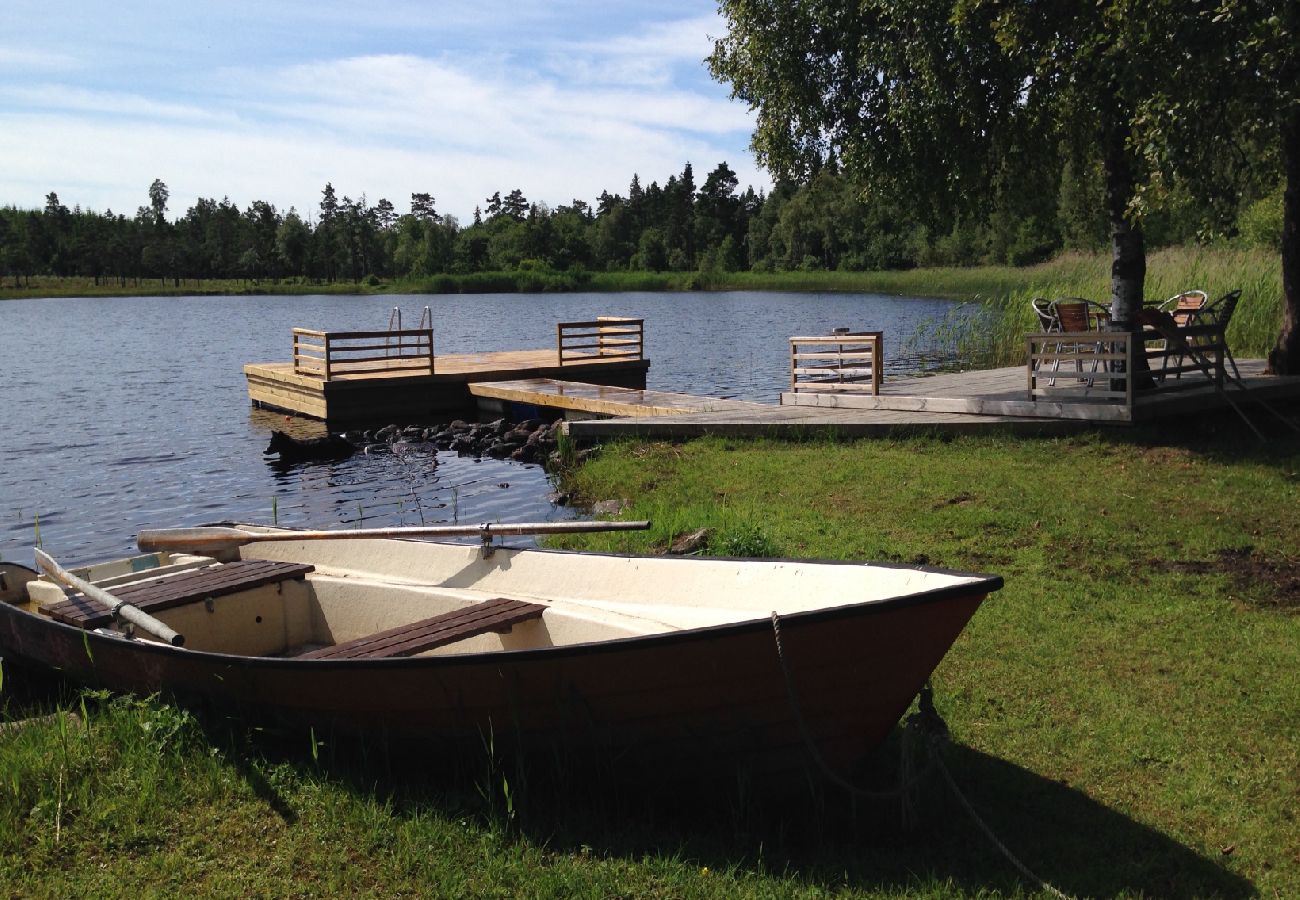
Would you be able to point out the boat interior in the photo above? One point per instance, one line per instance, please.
(376, 598)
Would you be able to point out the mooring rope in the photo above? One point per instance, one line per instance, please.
(898, 793)
(927, 721)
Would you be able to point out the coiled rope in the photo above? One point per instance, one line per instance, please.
(926, 722)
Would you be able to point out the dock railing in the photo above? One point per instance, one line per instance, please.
(331, 354)
(1081, 366)
(1099, 366)
(848, 362)
(603, 338)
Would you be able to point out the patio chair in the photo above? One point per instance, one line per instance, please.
(1047, 319)
(1075, 315)
(1217, 314)
(1184, 307)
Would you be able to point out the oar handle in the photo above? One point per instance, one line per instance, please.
(119, 608)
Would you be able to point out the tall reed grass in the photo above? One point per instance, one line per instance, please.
(995, 336)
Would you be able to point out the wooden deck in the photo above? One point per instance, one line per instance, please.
(989, 400)
(602, 400)
(407, 395)
(1003, 392)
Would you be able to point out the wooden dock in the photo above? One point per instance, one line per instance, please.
(348, 377)
(582, 398)
(979, 401)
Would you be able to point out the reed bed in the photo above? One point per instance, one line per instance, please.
(996, 336)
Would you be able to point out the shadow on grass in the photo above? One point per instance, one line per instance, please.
(798, 830)
(801, 829)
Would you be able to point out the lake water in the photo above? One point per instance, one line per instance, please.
(129, 413)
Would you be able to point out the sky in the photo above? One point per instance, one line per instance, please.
(270, 100)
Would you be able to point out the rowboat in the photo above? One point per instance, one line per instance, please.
(694, 661)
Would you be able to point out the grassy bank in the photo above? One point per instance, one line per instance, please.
(1125, 713)
(1141, 658)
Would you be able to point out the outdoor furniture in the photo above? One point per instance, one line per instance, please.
(1072, 316)
(1219, 314)
(1047, 319)
(1184, 307)
(1207, 325)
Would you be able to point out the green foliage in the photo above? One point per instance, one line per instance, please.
(1261, 222)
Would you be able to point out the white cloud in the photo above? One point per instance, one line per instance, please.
(107, 103)
(460, 127)
(39, 60)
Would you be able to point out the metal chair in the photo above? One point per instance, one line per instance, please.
(1186, 313)
(1219, 313)
(1073, 315)
(1047, 319)
(1184, 307)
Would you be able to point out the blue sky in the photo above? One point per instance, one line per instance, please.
(269, 100)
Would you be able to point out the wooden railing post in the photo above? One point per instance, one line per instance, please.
(1130, 357)
(327, 356)
(877, 363)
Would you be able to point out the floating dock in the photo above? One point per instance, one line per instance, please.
(370, 376)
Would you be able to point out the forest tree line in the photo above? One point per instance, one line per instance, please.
(830, 222)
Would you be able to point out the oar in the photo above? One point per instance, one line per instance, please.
(119, 609)
(211, 538)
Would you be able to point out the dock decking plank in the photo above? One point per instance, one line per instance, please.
(984, 400)
(604, 399)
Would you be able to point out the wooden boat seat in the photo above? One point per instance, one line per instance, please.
(179, 589)
(499, 615)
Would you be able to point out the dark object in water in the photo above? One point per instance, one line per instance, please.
(292, 449)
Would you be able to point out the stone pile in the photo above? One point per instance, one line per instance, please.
(529, 441)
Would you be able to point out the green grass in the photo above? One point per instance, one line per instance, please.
(1125, 712)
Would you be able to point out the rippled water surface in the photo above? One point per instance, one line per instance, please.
(121, 414)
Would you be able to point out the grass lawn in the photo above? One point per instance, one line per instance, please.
(1125, 713)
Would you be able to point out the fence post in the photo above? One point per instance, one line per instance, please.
(1129, 362)
(1030, 367)
(877, 364)
(327, 356)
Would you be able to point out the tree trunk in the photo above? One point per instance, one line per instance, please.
(1128, 268)
(1285, 356)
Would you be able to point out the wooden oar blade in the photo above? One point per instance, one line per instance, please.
(194, 540)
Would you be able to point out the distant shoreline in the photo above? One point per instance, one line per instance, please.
(1005, 290)
(948, 283)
